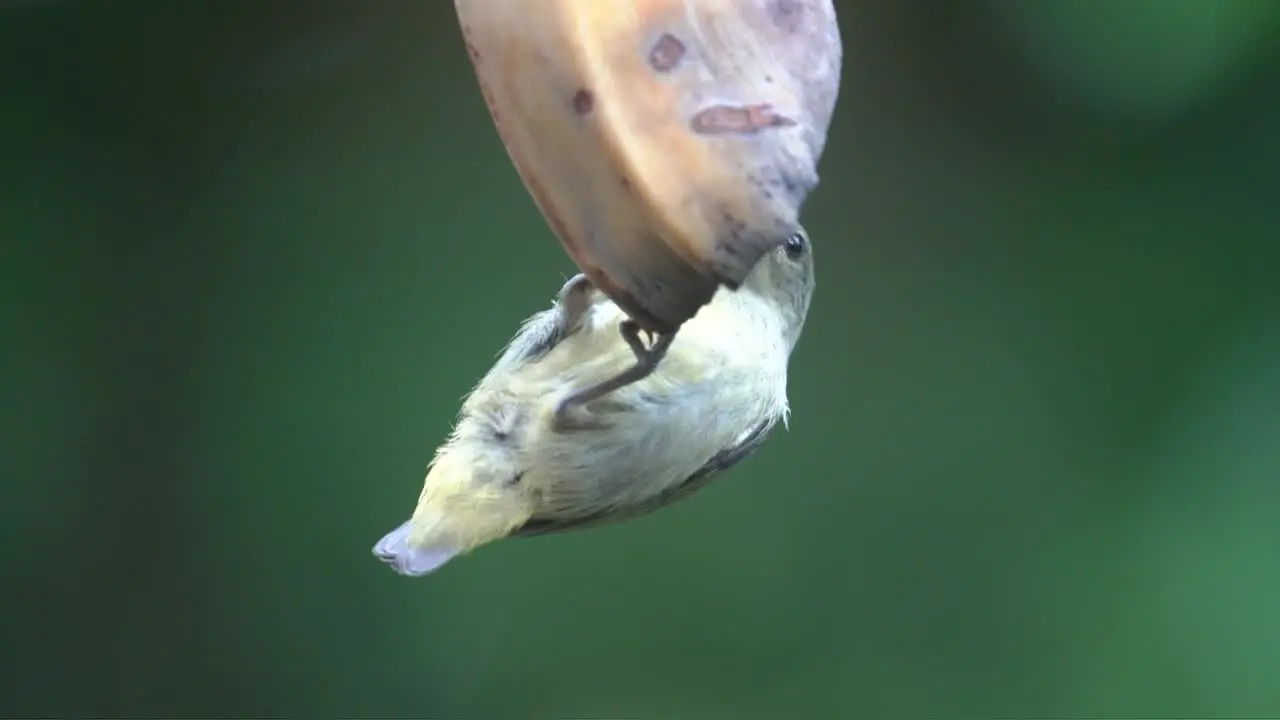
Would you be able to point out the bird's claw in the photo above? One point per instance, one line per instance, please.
(571, 415)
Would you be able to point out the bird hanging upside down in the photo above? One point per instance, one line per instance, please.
(578, 424)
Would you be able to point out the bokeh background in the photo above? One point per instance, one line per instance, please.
(253, 253)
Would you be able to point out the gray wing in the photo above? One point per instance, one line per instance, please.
(545, 330)
(723, 460)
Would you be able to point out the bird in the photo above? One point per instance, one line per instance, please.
(520, 461)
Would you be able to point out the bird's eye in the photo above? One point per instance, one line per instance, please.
(795, 246)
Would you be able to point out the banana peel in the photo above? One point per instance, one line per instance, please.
(669, 144)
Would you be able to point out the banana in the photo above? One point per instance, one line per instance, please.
(668, 143)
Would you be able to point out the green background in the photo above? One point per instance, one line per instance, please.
(253, 253)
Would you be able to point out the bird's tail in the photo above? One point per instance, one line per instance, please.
(457, 511)
(408, 558)
(467, 500)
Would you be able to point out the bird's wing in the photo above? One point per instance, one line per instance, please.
(746, 446)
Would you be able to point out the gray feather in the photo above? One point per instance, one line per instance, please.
(722, 461)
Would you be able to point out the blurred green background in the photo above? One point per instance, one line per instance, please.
(255, 252)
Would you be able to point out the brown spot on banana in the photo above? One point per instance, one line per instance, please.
(666, 53)
(741, 119)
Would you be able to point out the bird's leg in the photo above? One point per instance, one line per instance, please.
(647, 360)
(573, 301)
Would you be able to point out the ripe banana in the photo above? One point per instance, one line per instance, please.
(668, 143)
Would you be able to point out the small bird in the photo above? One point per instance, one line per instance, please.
(522, 461)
